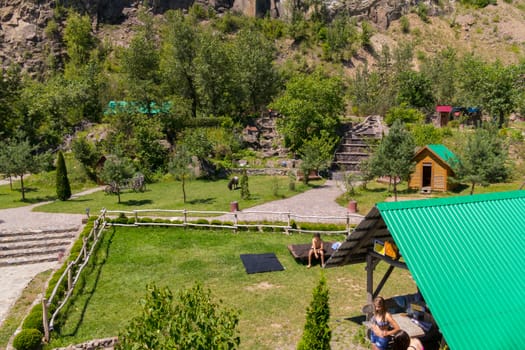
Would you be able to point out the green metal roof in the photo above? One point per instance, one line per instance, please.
(467, 256)
(444, 153)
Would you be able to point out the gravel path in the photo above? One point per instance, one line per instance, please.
(316, 202)
(13, 279)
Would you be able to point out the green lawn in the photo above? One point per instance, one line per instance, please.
(272, 305)
(378, 192)
(167, 194)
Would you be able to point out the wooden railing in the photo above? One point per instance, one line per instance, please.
(72, 273)
(234, 220)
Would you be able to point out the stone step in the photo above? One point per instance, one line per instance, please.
(33, 259)
(28, 244)
(34, 251)
(41, 236)
(29, 232)
(35, 246)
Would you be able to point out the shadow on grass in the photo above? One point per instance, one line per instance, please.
(83, 290)
(136, 203)
(202, 201)
(38, 199)
(376, 190)
(356, 319)
(460, 188)
(80, 200)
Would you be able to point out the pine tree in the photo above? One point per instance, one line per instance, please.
(393, 156)
(317, 332)
(245, 191)
(63, 187)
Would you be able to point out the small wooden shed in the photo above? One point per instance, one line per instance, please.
(433, 169)
(443, 115)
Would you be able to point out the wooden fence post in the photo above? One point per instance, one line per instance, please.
(235, 222)
(288, 224)
(347, 224)
(69, 278)
(185, 218)
(45, 320)
(84, 247)
(136, 217)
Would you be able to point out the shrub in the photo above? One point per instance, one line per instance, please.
(245, 190)
(62, 182)
(28, 339)
(191, 320)
(34, 319)
(202, 222)
(317, 331)
(405, 25)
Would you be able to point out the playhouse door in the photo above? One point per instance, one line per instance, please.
(427, 175)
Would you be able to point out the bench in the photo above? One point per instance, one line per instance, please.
(300, 251)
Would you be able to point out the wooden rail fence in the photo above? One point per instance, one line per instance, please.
(182, 218)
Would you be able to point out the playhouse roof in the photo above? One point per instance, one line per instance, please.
(442, 152)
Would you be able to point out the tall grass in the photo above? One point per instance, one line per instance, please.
(272, 305)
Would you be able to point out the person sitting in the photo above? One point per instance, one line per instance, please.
(402, 341)
(316, 250)
(383, 326)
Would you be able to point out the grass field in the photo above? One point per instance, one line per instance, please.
(200, 195)
(378, 192)
(272, 305)
(166, 194)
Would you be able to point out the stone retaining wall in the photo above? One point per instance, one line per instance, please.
(97, 344)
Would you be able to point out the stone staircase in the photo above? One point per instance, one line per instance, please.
(35, 246)
(355, 144)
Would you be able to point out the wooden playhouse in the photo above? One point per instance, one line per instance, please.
(433, 169)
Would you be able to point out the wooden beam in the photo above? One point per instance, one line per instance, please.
(383, 281)
(369, 279)
(388, 260)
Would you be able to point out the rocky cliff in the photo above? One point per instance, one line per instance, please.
(27, 27)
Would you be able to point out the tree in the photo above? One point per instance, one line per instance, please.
(190, 321)
(63, 187)
(18, 158)
(405, 114)
(317, 331)
(317, 154)
(79, 41)
(310, 104)
(426, 134)
(181, 168)
(441, 70)
(254, 68)
(370, 92)
(219, 92)
(86, 153)
(245, 190)
(393, 156)
(179, 49)
(116, 170)
(141, 62)
(10, 89)
(494, 88)
(414, 90)
(483, 157)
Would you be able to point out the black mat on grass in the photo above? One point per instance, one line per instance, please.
(254, 263)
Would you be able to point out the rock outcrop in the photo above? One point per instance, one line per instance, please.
(27, 36)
